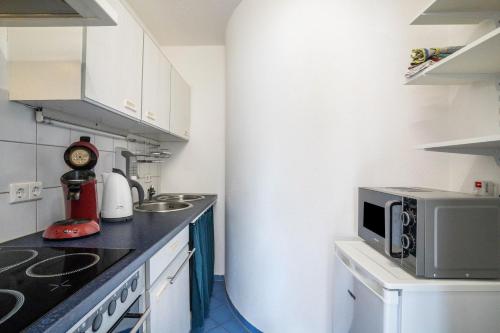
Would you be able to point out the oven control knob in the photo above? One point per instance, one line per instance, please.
(406, 242)
(124, 295)
(406, 218)
(112, 307)
(133, 286)
(96, 324)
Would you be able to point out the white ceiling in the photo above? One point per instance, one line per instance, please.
(186, 22)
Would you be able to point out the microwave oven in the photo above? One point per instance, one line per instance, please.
(433, 233)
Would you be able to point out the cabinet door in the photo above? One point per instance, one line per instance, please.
(113, 75)
(156, 86)
(180, 114)
(361, 308)
(170, 301)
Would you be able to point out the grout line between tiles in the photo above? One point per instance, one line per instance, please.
(20, 142)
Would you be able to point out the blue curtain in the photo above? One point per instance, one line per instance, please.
(201, 237)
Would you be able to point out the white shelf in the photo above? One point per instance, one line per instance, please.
(459, 12)
(485, 146)
(477, 61)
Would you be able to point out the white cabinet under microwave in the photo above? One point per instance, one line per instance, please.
(362, 305)
(373, 294)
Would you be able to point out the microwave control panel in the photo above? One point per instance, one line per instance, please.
(409, 222)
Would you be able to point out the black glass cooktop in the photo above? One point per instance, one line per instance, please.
(34, 280)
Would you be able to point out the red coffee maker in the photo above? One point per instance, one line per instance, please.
(80, 193)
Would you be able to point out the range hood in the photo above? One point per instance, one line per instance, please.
(56, 13)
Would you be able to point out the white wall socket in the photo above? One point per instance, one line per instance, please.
(21, 192)
(35, 191)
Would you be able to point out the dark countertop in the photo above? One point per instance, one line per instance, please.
(146, 234)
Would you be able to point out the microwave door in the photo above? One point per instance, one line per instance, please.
(393, 229)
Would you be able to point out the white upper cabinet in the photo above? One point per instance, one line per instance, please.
(156, 86)
(114, 78)
(113, 75)
(180, 113)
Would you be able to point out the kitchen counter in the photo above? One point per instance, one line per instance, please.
(146, 234)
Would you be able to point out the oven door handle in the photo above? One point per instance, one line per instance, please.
(388, 228)
(141, 321)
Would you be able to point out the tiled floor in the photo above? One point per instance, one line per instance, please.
(221, 318)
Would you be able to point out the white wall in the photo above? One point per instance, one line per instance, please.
(199, 166)
(316, 108)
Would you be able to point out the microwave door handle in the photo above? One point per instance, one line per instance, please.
(388, 228)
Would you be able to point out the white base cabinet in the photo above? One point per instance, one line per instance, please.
(373, 294)
(169, 300)
(168, 287)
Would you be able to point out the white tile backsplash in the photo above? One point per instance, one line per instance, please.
(104, 143)
(16, 220)
(119, 143)
(3, 59)
(53, 135)
(50, 165)
(50, 208)
(16, 121)
(17, 161)
(75, 136)
(148, 169)
(154, 169)
(142, 170)
(104, 164)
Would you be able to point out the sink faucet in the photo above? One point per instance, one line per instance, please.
(151, 192)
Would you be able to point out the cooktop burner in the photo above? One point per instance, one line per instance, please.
(11, 301)
(12, 258)
(34, 280)
(63, 265)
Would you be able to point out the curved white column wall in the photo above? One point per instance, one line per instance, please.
(315, 108)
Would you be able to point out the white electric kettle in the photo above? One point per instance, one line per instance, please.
(117, 205)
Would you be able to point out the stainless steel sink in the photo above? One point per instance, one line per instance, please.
(162, 207)
(178, 197)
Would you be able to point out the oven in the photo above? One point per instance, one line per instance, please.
(134, 319)
(125, 309)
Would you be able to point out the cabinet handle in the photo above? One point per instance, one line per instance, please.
(360, 278)
(172, 279)
(141, 321)
(130, 105)
(151, 116)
